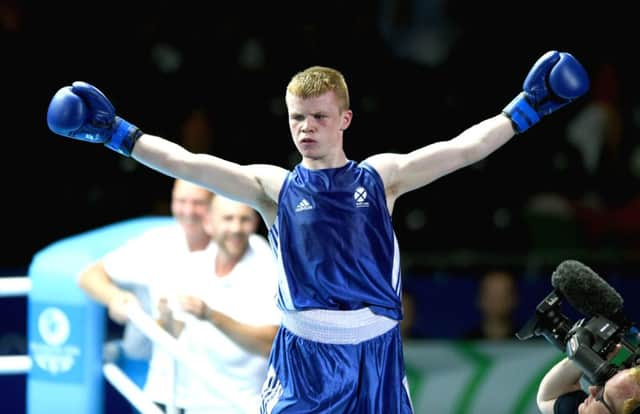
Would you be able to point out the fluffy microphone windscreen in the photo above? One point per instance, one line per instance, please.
(587, 292)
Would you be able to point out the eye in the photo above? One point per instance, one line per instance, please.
(297, 117)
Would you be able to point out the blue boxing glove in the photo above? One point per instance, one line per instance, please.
(555, 80)
(82, 112)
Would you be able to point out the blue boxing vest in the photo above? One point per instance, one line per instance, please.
(334, 240)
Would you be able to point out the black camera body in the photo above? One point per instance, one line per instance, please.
(587, 342)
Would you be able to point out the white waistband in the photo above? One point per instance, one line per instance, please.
(337, 327)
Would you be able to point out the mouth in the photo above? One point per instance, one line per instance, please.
(307, 141)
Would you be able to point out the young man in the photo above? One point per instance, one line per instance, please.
(560, 392)
(339, 349)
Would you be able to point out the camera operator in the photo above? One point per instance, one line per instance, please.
(560, 391)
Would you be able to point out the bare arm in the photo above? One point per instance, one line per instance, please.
(253, 338)
(563, 378)
(97, 283)
(402, 173)
(255, 185)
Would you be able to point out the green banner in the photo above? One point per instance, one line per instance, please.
(478, 377)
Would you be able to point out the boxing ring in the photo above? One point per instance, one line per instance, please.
(14, 286)
(67, 365)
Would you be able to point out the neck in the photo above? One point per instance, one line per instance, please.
(337, 161)
(225, 264)
(198, 242)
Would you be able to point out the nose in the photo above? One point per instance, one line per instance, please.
(235, 226)
(191, 211)
(307, 124)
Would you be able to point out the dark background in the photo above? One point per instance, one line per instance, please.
(55, 187)
(418, 72)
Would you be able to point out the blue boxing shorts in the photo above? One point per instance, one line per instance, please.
(336, 362)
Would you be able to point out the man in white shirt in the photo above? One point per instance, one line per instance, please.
(142, 268)
(231, 317)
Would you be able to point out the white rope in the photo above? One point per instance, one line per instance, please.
(14, 286)
(15, 364)
(129, 389)
(21, 364)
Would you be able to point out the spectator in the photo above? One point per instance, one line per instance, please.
(497, 299)
(130, 272)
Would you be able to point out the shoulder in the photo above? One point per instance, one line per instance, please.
(161, 238)
(271, 178)
(379, 166)
(171, 229)
(259, 242)
(262, 256)
(150, 235)
(381, 162)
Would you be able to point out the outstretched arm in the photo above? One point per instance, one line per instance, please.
(406, 172)
(256, 185)
(83, 112)
(555, 80)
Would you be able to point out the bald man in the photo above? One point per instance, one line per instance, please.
(131, 272)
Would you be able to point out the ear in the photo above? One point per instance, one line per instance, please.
(347, 116)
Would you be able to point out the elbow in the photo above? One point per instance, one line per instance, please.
(545, 407)
(544, 402)
(92, 277)
(539, 400)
